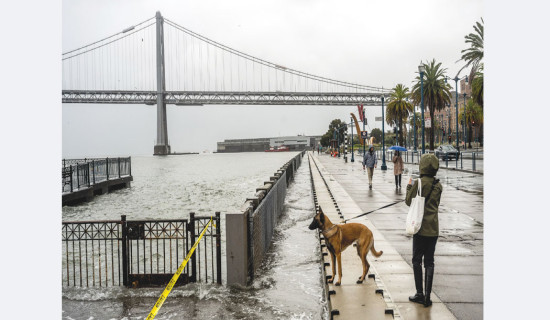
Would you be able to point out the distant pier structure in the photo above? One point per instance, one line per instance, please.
(82, 179)
(294, 143)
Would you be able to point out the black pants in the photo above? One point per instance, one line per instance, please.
(397, 179)
(423, 247)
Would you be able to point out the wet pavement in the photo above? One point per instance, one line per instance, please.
(458, 280)
(348, 300)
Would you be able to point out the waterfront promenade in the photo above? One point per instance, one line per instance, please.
(458, 282)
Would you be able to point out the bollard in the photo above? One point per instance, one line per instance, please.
(238, 250)
(461, 156)
(473, 161)
(446, 162)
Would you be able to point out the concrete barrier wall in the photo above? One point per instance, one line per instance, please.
(249, 232)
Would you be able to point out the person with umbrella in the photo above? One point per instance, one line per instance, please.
(397, 166)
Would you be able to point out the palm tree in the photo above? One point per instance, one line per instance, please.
(474, 54)
(436, 92)
(474, 116)
(477, 87)
(477, 95)
(398, 109)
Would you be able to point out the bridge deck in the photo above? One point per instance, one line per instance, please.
(225, 97)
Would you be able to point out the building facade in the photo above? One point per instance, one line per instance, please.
(297, 143)
(445, 120)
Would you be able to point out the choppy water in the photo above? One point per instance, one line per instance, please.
(288, 285)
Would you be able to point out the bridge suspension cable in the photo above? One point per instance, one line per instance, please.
(109, 37)
(122, 61)
(274, 65)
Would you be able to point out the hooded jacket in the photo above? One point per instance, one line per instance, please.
(429, 165)
(370, 158)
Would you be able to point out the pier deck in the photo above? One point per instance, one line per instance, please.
(82, 179)
(390, 275)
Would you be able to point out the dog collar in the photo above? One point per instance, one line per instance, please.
(326, 232)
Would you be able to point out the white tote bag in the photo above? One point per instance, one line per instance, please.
(416, 212)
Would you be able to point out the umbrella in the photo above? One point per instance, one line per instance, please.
(397, 148)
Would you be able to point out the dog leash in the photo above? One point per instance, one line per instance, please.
(364, 214)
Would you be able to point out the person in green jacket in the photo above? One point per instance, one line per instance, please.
(425, 240)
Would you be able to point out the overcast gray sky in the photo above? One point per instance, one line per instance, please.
(377, 43)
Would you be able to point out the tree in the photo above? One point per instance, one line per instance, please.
(474, 54)
(474, 116)
(436, 92)
(377, 134)
(477, 87)
(329, 135)
(477, 95)
(398, 109)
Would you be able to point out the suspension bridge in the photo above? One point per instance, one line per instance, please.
(158, 61)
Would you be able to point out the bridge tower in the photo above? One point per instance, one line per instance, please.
(162, 147)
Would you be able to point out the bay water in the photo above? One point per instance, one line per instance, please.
(288, 285)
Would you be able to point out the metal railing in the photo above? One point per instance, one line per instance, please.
(262, 222)
(467, 160)
(82, 173)
(263, 211)
(139, 253)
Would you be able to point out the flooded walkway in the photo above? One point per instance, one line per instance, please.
(458, 282)
(349, 300)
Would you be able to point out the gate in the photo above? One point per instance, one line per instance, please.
(139, 253)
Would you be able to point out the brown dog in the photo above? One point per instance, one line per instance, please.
(339, 236)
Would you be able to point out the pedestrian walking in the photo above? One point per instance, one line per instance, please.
(370, 161)
(425, 239)
(398, 168)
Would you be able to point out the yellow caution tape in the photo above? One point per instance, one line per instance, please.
(175, 277)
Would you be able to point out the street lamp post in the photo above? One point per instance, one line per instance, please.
(383, 167)
(351, 122)
(338, 142)
(464, 135)
(414, 127)
(421, 69)
(456, 107)
(364, 140)
(449, 120)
